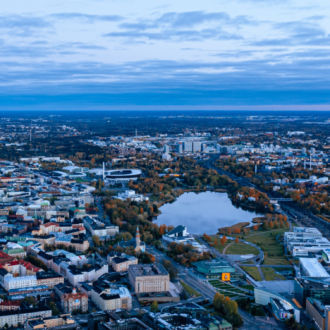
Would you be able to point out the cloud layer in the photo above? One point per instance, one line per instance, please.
(210, 53)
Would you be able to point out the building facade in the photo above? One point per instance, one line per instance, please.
(149, 278)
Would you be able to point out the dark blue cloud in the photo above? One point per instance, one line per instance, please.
(156, 77)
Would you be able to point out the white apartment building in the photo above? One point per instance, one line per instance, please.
(10, 282)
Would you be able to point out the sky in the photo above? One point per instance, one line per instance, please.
(183, 54)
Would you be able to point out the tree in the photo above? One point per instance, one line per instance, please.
(237, 230)
(228, 308)
(206, 237)
(218, 301)
(146, 258)
(223, 240)
(171, 269)
(96, 240)
(30, 300)
(162, 230)
(53, 307)
(154, 307)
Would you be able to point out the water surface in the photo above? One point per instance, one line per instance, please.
(204, 212)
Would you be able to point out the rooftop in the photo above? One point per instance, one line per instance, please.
(148, 269)
(313, 268)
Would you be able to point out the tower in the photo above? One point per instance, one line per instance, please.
(137, 239)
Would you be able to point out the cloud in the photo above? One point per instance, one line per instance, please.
(90, 84)
(87, 17)
(181, 35)
(23, 25)
(231, 75)
(237, 55)
(297, 33)
(190, 19)
(189, 26)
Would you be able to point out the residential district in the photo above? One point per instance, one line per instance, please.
(80, 247)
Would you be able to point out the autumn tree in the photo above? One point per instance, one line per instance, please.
(223, 240)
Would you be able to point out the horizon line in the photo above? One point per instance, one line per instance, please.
(282, 108)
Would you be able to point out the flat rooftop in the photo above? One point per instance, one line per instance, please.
(313, 268)
(148, 269)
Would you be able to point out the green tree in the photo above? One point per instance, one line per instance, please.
(53, 307)
(171, 269)
(154, 307)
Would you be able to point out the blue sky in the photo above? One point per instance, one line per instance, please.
(127, 54)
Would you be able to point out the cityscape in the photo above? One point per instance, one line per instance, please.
(219, 222)
(165, 165)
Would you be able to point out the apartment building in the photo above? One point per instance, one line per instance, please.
(120, 262)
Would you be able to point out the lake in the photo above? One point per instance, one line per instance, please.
(203, 212)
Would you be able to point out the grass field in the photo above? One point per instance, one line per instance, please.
(273, 249)
(253, 272)
(189, 290)
(269, 241)
(271, 275)
(217, 244)
(276, 261)
(227, 290)
(241, 248)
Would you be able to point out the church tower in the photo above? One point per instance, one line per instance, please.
(137, 239)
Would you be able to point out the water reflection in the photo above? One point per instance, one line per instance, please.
(203, 213)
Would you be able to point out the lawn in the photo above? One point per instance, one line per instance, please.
(273, 248)
(271, 275)
(189, 290)
(276, 261)
(227, 289)
(269, 241)
(241, 248)
(253, 272)
(216, 243)
(247, 286)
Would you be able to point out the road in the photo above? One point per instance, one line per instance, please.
(207, 291)
(187, 275)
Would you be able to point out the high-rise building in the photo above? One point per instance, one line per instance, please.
(167, 149)
(188, 146)
(197, 146)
